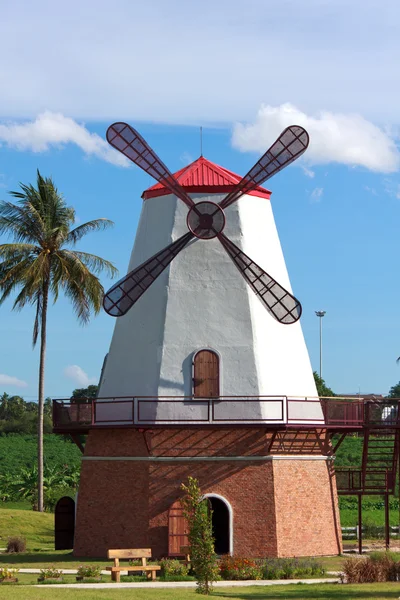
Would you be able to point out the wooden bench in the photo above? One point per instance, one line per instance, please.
(131, 554)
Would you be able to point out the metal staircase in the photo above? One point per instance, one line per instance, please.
(380, 452)
(380, 448)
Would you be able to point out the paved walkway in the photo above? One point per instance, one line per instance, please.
(186, 584)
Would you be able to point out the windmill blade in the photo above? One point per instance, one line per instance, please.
(280, 303)
(123, 295)
(128, 141)
(289, 146)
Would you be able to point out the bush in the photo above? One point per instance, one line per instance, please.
(291, 568)
(379, 567)
(50, 573)
(198, 513)
(16, 544)
(172, 567)
(8, 573)
(238, 568)
(89, 571)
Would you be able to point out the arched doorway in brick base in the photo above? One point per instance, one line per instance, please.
(222, 520)
(64, 523)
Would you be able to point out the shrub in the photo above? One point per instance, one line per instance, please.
(238, 568)
(379, 567)
(50, 573)
(173, 567)
(16, 544)
(89, 571)
(201, 541)
(8, 572)
(291, 568)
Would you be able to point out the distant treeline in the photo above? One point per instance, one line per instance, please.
(20, 416)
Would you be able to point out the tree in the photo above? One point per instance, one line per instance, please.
(394, 391)
(41, 262)
(199, 517)
(322, 389)
(88, 392)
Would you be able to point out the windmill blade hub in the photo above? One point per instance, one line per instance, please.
(206, 220)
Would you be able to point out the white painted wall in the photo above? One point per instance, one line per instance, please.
(202, 301)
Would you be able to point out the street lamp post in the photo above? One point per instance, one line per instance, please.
(320, 314)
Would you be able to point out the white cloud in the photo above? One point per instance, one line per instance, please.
(78, 376)
(54, 129)
(13, 381)
(334, 137)
(308, 172)
(316, 194)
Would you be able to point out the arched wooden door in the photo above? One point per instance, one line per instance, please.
(64, 524)
(206, 374)
(177, 530)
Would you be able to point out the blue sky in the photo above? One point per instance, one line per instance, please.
(243, 70)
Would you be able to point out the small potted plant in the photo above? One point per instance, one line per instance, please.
(50, 575)
(8, 575)
(88, 573)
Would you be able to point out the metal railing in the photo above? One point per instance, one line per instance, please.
(349, 480)
(335, 413)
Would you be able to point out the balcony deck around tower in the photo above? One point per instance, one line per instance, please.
(81, 415)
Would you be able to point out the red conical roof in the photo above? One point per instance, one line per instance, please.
(204, 176)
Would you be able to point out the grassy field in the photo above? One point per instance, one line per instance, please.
(36, 528)
(349, 518)
(289, 592)
(61, 559)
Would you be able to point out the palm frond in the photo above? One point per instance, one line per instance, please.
(79, 284)
(21, 222)
(96, 225)
(13, 276)
(10, 251)
(96, 263)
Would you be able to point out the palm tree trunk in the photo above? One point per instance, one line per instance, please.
(41, 394)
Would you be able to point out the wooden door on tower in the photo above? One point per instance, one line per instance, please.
(206, 374)
(177, 530)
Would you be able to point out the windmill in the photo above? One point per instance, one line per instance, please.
(202, 379)
(205, 221)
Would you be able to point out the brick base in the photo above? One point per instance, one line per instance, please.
(286, 506)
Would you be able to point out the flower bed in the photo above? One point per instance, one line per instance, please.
(50, 575)
(242, 568)
(8, 575)
(88, 573)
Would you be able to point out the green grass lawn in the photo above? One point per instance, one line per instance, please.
(349, 518)
(37, 528)
(61, 559)
(288, 592)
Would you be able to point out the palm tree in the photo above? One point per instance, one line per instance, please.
(41, 262)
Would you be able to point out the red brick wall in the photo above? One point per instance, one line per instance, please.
(125, 504)
(307, 519)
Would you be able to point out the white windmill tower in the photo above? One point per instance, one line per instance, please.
(207, 374)
(200, 301)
